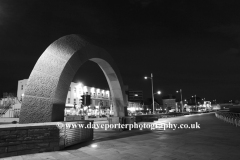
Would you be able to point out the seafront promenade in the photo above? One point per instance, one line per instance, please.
(214, 140)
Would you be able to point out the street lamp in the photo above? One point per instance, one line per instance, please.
(158, 92)
(152, 88)
(195, 100)
(180, 91)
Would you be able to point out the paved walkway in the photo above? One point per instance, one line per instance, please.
(215, 140)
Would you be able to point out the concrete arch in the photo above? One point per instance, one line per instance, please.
(45, 96)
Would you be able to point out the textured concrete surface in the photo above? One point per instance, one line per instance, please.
(47, 87)
(215, 140)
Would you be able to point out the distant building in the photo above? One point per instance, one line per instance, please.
(135, 96)
(21, 88)
(148, 106)
(134, 108)
(100, 99)
(169, 103)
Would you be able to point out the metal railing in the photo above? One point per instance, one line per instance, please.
(4, 110)
(229, 117)
(8, 112)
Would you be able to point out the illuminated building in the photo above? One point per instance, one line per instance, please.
(135, 96)
(100, 99)
(134, 107)
(169, 103)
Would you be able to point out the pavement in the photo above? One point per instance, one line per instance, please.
(214, 140)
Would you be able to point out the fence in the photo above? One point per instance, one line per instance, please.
(11, 113)
(229, 117)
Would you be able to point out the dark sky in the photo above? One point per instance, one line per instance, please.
(187, 44)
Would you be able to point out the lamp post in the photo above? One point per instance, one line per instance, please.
(158, 92)
(195, 100)
(180, 91)
(152, 89)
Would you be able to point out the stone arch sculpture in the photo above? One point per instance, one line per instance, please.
(45, 95)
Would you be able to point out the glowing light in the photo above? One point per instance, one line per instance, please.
(98, 90)
(94, 145)
(132, 109)
(79, 84)
(136, 95)
(23, 94)
(92, 90)
(85, 89)
(103, 91)
(145, 77)
(107, 93)
(159, 92)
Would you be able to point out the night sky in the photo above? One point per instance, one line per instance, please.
(189, 45)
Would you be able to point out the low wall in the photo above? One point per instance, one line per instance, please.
(19, 139)
(154, 117)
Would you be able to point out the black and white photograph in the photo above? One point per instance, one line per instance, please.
(120, 79)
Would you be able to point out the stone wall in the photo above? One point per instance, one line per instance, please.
(19, 139)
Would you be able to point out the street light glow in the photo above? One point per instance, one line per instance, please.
(94, 145)
(145, 77)
(158, 92)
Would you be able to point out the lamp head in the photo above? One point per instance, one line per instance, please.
(158, 92)
(145, 77)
